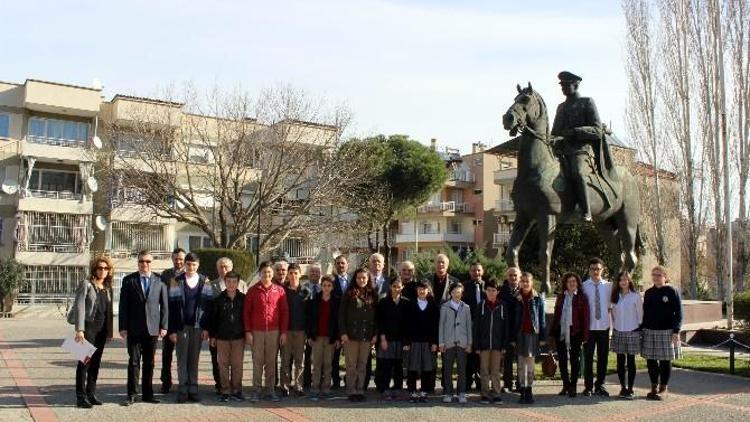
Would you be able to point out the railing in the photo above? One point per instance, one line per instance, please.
(60, 142)
(438, 207)
(50, 283)
(500, 239)
(506, 175)
(461, 176)
(464, 207)
(504, 205)
(51, 232)
(129, 238)
(50, 194)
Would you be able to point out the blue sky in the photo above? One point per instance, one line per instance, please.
(439, 69)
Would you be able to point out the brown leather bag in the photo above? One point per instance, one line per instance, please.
(549, 365)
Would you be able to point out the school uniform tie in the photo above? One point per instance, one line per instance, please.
(597, 302)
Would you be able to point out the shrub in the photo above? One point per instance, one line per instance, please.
(244, 262)
(12, 275)
(460, 267)
(742, 308)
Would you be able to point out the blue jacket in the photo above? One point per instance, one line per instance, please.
(538, 317)
(176, 294)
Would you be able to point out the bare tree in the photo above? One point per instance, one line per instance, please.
(642, 75)
(232, 165)
(738, 42)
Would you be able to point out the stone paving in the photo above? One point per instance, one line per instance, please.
(37, 383)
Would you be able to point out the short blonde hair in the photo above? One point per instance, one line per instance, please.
(662, 269)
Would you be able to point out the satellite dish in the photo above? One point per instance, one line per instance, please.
(92, 184)
(9, 186)
(97, 141)
(100, 223)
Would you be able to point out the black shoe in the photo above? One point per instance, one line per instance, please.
(653, 396)
(497, 400)
(165, 388)
(352, 397)
(629, 394)
(623, 392)
(484, 400)
(128, 401)
(84, 403)
(152, 400)
(94, 400)
(572, 393)
(360, 397)
(224, 398)
(529, 396)
(563, 392)
(522, 397)
(193, 398)
(586, 392)
(181, 398)
(601, 391)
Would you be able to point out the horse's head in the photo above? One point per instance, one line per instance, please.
(528, 110)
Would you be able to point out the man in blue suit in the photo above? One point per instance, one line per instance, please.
(144, 315)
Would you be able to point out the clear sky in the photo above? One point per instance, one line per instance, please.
(431, 69)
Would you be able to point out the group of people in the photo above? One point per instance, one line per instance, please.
(478, 328)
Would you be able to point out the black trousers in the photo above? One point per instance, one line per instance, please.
(141, 348)
(215, 366)
(472, 371)
(167, 353)
(510, 357)
(621, 360)
(659, 371)
(428, 381)
(569, 379)
(387, 370)
(598, 339)
(88, 373)
(307, 371)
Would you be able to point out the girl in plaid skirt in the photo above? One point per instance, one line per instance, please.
(627, 314)
(662, 320)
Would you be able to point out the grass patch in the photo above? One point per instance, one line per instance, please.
(712, 363)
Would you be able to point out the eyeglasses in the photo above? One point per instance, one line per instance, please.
(103, 268)
(144, 261)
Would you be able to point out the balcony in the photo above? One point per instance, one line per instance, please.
(506, 176)
(127, 239)
(504, 206)
(50, 97)
(42, 236)
(435, 237)
(446, 208)
(500, 239)
(51, 194)
(460, 178)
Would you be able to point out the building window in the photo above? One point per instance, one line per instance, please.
(51, 232)
(54, 184)
(57, 132)
(198, 242)
(50, 283)
(430, 227)
(4, 125)
(454, 227)
(131, 238)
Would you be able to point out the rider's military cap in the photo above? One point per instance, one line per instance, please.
(568, 78)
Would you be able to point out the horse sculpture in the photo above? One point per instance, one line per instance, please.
(542, 196)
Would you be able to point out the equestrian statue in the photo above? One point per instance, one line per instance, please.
(568, 176)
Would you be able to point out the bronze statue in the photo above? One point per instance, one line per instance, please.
(546, 195)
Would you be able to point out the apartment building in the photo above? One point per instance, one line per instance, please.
(460, 215)
(56, 207)
(46, 165)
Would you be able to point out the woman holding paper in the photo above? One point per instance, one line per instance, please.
(94, 324)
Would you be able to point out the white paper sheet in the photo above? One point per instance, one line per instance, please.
(81, 351)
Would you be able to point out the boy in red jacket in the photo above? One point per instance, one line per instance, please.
(266, 316)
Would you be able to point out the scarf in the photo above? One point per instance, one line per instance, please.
(566, 318)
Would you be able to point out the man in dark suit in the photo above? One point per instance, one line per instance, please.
(379, 275)
(144, 315)
(167, 347)
(473, 295)
(340, 285)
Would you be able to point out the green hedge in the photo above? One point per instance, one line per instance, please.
(244, 263)
(458, 267)
(742, 308)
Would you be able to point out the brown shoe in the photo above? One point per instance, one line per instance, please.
(663, 389)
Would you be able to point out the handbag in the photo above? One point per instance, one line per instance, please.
(549, 365)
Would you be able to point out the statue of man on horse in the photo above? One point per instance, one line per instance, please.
(581, 143)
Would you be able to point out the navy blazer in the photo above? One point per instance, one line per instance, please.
(141, 315)
(337, 290)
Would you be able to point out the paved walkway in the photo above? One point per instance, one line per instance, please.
(37, 379)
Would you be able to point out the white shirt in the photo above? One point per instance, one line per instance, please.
(605, 292)
(192, 281)
(627, 313)
(422, 303)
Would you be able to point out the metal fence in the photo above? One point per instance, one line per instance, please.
(51, 232)
(50, 283)
(134, 237)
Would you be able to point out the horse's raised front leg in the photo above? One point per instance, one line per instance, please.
(546, 226)
(521, 228)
